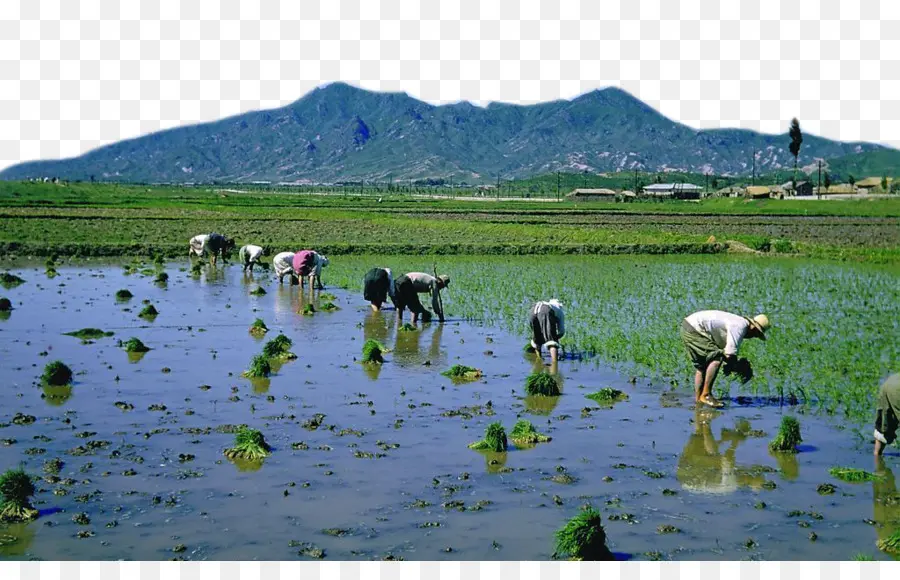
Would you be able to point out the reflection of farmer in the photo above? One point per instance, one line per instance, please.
(308, 263)
(702, 468)
(215, 244)
(885, 501)
(711, 336)
(887, 413)
(376, 327)
(377, 286)
(249, 256)
(283, 263)
(547, 321)
(406, 294)
(409, 351)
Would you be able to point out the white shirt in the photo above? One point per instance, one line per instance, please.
(253, 252)
(390, 282)
(558, 311)
(725, 329)
(283, 262)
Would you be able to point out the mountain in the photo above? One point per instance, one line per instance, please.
(340, 132)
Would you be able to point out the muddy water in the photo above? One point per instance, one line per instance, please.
(380, 483)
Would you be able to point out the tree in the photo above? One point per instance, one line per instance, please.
(851, 180)
(827, 180)
(796, 141)
(884, 183)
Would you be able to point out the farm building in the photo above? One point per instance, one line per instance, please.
(872, 185)
(802, 188)
(839, 189)
(675, 190)
(591, 195)
(730, 191)
(758, 191)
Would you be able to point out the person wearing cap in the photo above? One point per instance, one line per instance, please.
(249, 255)
(548, 325)
(308, 263)
(887, 413)
(283, 263)
(407, 288)
(378, 284)
(712, 337)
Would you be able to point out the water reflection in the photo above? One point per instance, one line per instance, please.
(16, 539)
(704, 468)
(135, 357)
(410, 349)
(494, 461)
(885, 502)
(247, 465)
(56, 396)
(261, 385)
(537, 404)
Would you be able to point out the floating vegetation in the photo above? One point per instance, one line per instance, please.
(149, 311)
(583, 538)
(826, 489)
(788, 436)
(372, 351)
(5, 305)
(124, 294)
(248, 444)
(258, 291)
(462, 373)
(161, 278)
(81, 519)
(278, 348)
(259, 367)
(258, 328)
(134, 345)
(542, 384)
(57, 374)
(852, 475)
(16, 489)
(608, 396)
(407, 327)
(53, 466)
(8, 280)
(308, 310)
(667, 529)
(524, 434)
(890, 544)
(329, 307)
(89, 333)
(494, 439)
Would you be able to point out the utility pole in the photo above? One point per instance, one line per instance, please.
(557, 186)
(707, 184)
(498, 187)
(753, 175)
(819, 189)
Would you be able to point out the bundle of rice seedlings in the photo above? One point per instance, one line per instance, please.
(788, 436)
(583, 538)
(258, 328)
(608, 396)
(741, 368)
(372, 351)
(57, 374)
(407, 327)
(494, 439)
(524, 433)
(8, 280)
(329, 307)
(852, 475)
(149, 311)
(327, 296)
(462, 373)
(5, 305)
(259, 367)
(248, 444)
(890, 544)
(259, 291)
(278, 348)
(53, 466)
(16, 489)
(51, 272)
(543, 384)
(161, 278)
(89, 333)
(197, 268)
(861, 557)
(308, 310)
(135, 345)
(123, 294)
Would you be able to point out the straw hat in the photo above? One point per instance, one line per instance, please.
(761, 323)
(445, 280)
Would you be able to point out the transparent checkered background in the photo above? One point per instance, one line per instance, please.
(77, 74)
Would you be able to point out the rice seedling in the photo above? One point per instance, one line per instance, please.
(583, 538)
(258, 328)
(259, 367)
(861, 557)
(852, 475)
(124, 294)
(277, 348)
(329, 307)
(890, 544)
(149, 311)
(161, 278)
(57, 374)
(462, 373)
(16, 489)
(5, 305)
(197, 268)
(372, 352)
(89, 333)
(494, 439)
(542, 384)
(249, 444)
(258, 291)
(51, 272)
(308, 310)
(134, 345)
(524, 434)
(788, 436)
(407, 327)
(9, 281)
(53, 466)
(608, 396)
(327, 296)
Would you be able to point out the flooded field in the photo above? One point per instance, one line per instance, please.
(372, 462)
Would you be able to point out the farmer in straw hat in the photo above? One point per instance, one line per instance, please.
(713, 336)
(409, 286)
(887, 414)
(548, 325)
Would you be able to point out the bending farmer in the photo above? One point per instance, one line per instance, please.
(249, 256)
(308, 263)
(711, 337)
(377, 286)
(887, 414)
(547, 327)
(283, 263)
(409, 286)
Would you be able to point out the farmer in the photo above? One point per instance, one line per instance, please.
(249, 256)
(198, 245)
(887, 414)
(547, 322)
(215, 243)
(377, 286)
(283, 263)
(713, 336)
(409, 286)
(308, 263)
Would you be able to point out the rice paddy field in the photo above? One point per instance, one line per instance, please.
(143, 454)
